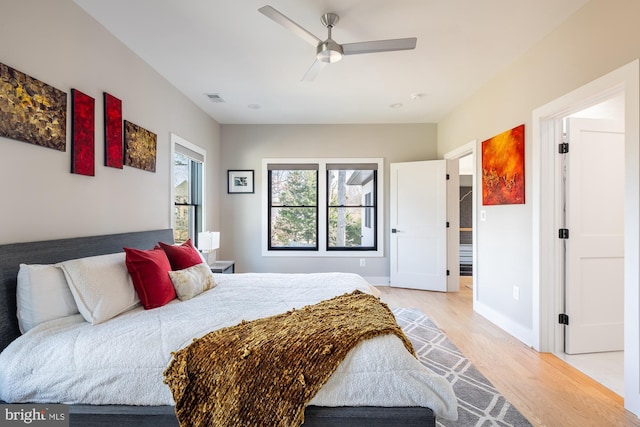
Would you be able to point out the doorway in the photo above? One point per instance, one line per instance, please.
(466, 157)
(465, 171)
(547, 250)
(593, 175)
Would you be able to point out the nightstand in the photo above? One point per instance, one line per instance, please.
(224, 267)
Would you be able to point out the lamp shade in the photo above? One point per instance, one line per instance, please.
(208, 241)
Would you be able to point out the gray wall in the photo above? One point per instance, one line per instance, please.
(244, 146)
(58, 43)
(599, 38)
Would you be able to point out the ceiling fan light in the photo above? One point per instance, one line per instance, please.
(329, 52)
(329, 56)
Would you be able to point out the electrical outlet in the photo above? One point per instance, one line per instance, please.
(363, 262)
(516, 293)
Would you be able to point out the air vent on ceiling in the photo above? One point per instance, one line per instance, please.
(215, 97)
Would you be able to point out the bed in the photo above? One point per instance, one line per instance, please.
(142, 414)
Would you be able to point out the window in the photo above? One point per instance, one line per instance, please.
(322, 207)
(293, 207)
(351, 209)
(188, 181)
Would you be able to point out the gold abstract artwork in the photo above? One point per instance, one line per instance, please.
(32, 111)
(140, 147)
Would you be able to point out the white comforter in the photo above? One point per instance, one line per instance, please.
(122, 360)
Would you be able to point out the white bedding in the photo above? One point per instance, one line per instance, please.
(121, 361)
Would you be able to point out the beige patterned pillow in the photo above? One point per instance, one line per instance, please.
(192, 281)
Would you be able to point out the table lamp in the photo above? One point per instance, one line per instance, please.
(209, 241)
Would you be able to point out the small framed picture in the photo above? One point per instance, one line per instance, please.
(240, 181)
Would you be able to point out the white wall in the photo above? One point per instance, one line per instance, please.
(59, 44)
(599, 38)
(244, 146)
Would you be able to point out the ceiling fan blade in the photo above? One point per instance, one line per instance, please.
(313, 71)
(379, 46)
(281, 19)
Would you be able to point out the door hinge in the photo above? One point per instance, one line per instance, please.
(563, 233)
(448, 273)
(563, 319)
(448, 177)
(447, 224)
(563, 148)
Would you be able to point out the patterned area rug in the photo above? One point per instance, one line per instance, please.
(479, 403)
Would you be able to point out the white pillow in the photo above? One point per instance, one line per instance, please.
(192, 281)
(42, 295)
(101, 286)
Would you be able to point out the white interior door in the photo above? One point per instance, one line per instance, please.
(594, 288)
(418, 225)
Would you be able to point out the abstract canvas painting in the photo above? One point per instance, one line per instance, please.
(82, 133)
(139, 147)
(503, 168)
(113, 152)
(32, 111)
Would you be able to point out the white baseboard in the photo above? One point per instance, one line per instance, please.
(518, 331)
(377, 281)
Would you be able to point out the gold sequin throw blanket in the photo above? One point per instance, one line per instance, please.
(264, 372)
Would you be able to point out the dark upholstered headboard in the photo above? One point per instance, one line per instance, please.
(53, 251)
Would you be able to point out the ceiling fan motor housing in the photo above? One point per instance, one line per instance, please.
(329, 51)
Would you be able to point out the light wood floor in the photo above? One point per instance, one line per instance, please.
(546, 390)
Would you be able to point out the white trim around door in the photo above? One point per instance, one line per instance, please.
(546, 127)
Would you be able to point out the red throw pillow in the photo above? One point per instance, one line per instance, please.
(149, 271)
(181, 256)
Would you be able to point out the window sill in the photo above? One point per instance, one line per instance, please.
(324, 254)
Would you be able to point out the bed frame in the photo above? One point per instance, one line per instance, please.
(53, 251)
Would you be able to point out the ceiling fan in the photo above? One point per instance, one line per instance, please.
(329, 51)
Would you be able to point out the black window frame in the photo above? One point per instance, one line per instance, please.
(369, 215)
(270, 207)
(373, 206)
(196, 196)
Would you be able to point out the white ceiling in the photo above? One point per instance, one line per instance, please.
(228, 47)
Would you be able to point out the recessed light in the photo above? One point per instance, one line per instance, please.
(417, 96)
(396, 105)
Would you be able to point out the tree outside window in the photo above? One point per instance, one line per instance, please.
(293, 210)
(350, 207)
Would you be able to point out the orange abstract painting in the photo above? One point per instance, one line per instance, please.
(503, 168)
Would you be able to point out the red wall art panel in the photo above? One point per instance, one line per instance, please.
(139, 147)
(32, 111)
(82, 133)
(113, 152)
(503, 168)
